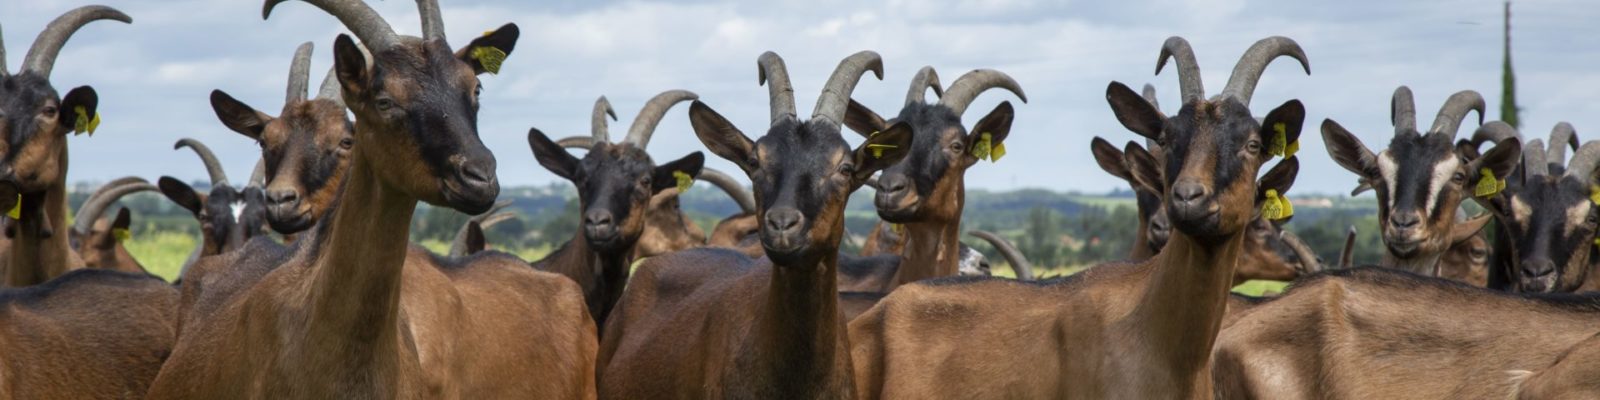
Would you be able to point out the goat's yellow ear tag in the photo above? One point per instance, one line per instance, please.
(684, 181)
(489, 57)
(1594, 194)
(1488, 185)
(983, 148)
(1276, 207)
(877, 149)
(897, 228)
(16, 210)
(85, 123)
(122, 234)
(1281, 146)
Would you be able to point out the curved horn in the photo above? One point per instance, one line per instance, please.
(576, 142)
(1561, 136)
(740, 195)
(1583, 161)
(1020, 264)
(645, 123)
(42, 56)
(772, 72)
(1455, 109)
(258, 175)
(299, 74)
(213, 167)
(1242, 84)
(924, 79)
(432, 20)
(835, 97)
(1403, 110)
(1347, 255)
(598, 128)
(330, 89)
(458, 246)
(368, 26)
(1308, 258)
(3, 70)
(1149, 94)
(1494, 132)
(92, 209)
(126, 180)
(1533, 159)
(970, 85)
(1189, 84)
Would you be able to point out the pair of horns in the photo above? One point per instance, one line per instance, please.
(1403, 111)
(644, 125)
(964, 90)
(370, 27)
(1242, 83)
(300, 79)
(1536, 158)
(41, 57)
(95, 206)
(835, 97)
(214, 166)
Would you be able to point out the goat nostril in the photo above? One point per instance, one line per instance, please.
(1188, 192)
(780, 221)
(1406, 220)
(281, 197)
(597, 219)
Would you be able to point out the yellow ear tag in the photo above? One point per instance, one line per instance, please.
(1594, 194)
(1276, 207)
(122, 234)
(684, 181)
(1488, 185)
(897, 228)
(1281, 146)
(85, 123)
(982, 149)
(16, 210)
(489, 57)
(877, 149)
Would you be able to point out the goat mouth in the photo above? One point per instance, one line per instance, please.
(1404, 248)
(289, 221)
(469, 199)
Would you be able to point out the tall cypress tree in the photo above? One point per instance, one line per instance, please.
(1508, 80)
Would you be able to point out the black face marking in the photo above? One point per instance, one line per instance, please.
(1229, 128)
(927, 162)
(616, 179)
(1547, 235)
(798, 170)
(232, 216)
(22, 98)
(1416, 156)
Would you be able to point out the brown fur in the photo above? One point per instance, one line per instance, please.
(90, 334)
(102, 250)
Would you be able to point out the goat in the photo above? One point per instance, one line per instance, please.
(1420, 179)
(228, 217)
(1547, 218)
(333, 317)
(1128, 330)
(712, 323)
(99, 242)
(36, 121)
(615, 182)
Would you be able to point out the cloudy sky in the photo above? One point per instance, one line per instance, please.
(154, 76)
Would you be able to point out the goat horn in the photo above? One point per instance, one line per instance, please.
(458, 246)
(835, 95)
(1455, 109)
(970, 85)
(213, 167)
(1242, 84)
(576, 142)
(1403, 110)
(299, 74)
(872, 182)
(330, 89)
(772, 72)
(92, 209)
(1533, 159)
(1583, 161)
(920, 83)
(1189, 84)
(599, 130)
(3, 71)
(1494, 132)
(114, 183)
(735, 190)
(645, 123)
(42, 56)
(1149, 94)
(368, 26)
(1020, 264)
(432, 20)
(258, 175)
(1308, 258)
(1561, 136)
(1347, 255)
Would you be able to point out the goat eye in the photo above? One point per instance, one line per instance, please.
(385, 104)
(956, 146)
(1254, 146)
(1459, 177)
(847, 169)
(477, 91)
(48, 111)
(347, 143)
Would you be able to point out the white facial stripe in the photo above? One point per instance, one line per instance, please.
(238, 210)
(1575, 215)
(1520, 210)
(1390, 171)
(1442, 172)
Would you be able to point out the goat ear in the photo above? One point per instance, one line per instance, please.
(487, 52)
(1289, 117)
(1143, 170)
(882, 150)
(1501, 160)
(552, 156)
(1109, 158)
(1134, 112)
(997, 124)
(182, 194)
(79, 97)
(350, 65)
(863, 120)
(1348, 152)
(666, 175)
(1279, 178)
(1466, 150)
(476, 242)
(123, 220)
(721, 137)
(238, 116)
(1464, 230)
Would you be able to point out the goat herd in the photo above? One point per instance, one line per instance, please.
(344, 307)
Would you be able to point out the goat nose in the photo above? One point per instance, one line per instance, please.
(282, 197)
(1538, 268)
(1404, 220)
(597, 218)
(476, 174)
(784, 220)
(892, 183)
(1188, 191)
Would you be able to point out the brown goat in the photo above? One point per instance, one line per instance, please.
(99, 241)
(710, 323)
(348, 312)
(1125, 330)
